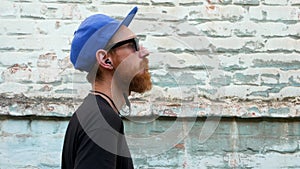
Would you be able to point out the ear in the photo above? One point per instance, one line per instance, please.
(103, 59)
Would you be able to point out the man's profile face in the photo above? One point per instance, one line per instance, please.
(132, 58)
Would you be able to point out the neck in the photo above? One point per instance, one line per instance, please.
(112, 90)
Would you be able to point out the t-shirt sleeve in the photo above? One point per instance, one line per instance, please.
(92, 155)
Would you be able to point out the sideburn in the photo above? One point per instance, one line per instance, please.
(94, 75)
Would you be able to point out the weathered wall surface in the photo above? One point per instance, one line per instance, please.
(226, 58)
(226, 50)
(29, 143)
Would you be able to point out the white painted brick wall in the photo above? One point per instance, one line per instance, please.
(249, 49)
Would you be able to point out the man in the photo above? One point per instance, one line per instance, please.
(108, 50)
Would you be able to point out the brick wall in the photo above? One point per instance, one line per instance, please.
(225, 58)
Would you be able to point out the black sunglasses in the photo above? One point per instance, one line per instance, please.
(134, 41)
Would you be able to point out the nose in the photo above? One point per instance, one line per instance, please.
(143, 52)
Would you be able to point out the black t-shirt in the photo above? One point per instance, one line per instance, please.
(95, 138)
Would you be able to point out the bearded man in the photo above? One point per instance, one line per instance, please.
(109, 51)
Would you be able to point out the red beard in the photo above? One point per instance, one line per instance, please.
(141, 83)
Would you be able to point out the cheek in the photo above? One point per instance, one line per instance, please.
(119, 57)
(129, 64)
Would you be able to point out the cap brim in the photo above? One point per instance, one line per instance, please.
(127, 20)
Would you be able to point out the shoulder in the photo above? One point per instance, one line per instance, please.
(110, 116)
(95, 113)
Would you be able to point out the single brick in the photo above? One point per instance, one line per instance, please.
(15, 127)
(275, 2)
(246, 2)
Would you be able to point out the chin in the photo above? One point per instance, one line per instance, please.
(141, 82)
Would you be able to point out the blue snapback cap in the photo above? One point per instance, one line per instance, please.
(93, 34)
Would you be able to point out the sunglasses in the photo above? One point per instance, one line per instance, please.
(134, 41)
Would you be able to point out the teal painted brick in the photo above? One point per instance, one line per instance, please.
(246, 2)
(233, 68)
(270, 78)
(293, 82)
(294, 65)
(223, 2)
(281, 111)
(66, 91)
(264, 94)
(42, 127)
(165, 81)
(189, 3)
(220, 81)
(168, 3)
(293, 130)
(189, 79)
(240, 78)
(275, 76)
(15, 127)
(251, 129)
(275, 88)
